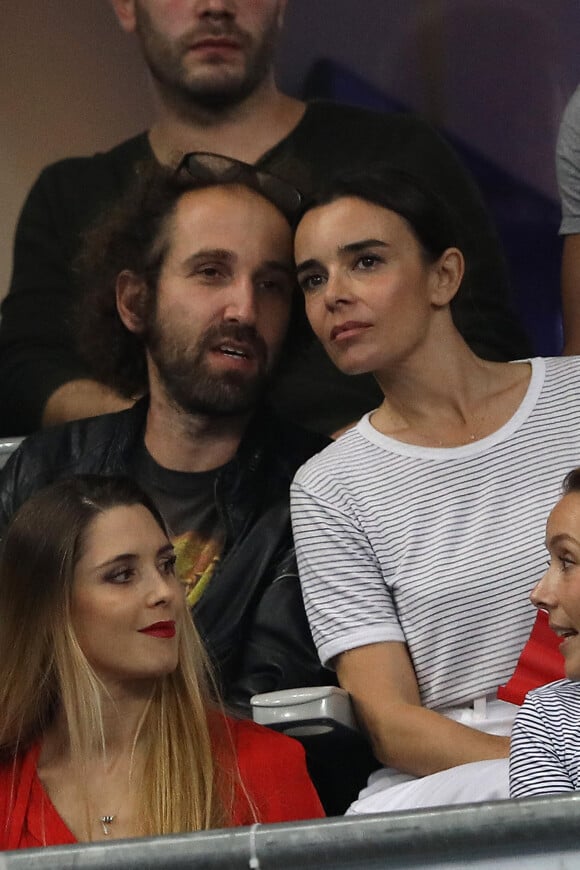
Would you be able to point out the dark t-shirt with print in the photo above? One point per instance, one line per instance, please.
(187, 503)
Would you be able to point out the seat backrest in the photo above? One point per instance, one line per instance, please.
(338, 755)
(7, 447)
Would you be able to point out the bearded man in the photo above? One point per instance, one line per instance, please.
(189, 304)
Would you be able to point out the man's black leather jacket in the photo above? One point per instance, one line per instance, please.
(251, 616)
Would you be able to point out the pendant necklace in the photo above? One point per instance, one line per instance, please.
(108, 819)
(105, 822)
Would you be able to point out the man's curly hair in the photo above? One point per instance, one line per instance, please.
(132, 235)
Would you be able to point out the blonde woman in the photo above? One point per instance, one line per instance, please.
(106, 727)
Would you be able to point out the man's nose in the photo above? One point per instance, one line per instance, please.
(216, 8)
(242, 303)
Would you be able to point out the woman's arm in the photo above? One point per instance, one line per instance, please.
(405, 735)
(355, 619)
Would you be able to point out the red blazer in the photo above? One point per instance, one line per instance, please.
(272, 768)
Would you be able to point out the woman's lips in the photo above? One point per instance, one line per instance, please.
(347, 330)
(160, 629)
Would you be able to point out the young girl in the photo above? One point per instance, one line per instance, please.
(106, 728)
(544, 756)
(418, 531)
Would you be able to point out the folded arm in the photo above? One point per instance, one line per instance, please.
(405, 735)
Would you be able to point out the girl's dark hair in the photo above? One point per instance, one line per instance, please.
(430, 219)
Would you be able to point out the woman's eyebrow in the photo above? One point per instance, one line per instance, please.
(562, 538)
(308, 264)
(121, 557)
(348, 248)
(355, 247)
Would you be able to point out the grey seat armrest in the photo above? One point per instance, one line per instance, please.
(305, 712)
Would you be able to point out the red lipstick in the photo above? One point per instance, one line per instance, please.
(160, 629)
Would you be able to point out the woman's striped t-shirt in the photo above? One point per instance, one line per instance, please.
(545, 750)
(437, 547)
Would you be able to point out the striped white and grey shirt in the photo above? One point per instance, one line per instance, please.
(545, 750)
(437, 547)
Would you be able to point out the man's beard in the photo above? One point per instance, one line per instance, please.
(193, 385)
(219, 91)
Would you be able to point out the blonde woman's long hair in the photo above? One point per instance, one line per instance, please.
(43, 669)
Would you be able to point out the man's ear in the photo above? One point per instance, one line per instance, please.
(125, 12)
(132, 292)
(448, 273)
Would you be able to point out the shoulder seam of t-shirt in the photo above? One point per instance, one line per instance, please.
(296, 487)
(363, 637)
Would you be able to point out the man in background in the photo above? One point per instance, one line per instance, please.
(211, 63)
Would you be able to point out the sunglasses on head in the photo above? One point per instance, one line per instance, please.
(205, 166)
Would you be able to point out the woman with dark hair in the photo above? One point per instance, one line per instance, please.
(418, 531)
(544, 757)
(106, 727)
